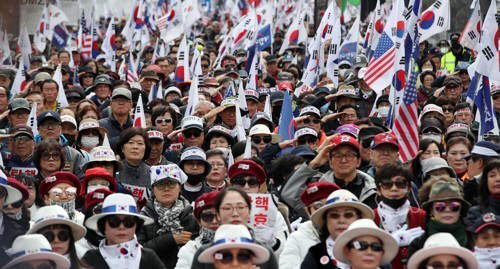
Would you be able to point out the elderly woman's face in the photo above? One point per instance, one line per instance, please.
(134, 149)
(446, 212)
(444, 261)
(234, 258)
(166, 192)
(62, 192)
(218, 142)
(367, 258)
(455, 157)
(339, 218)
(218, 171)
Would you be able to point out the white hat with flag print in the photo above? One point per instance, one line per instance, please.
(34, 247)
(171, 172)
(229, 236)
(194, 154)
(117, 204)
(12, 194)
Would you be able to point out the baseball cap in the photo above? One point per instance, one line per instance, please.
(310, 110)
(277, 96)
(385, 138)
(360, 61)
(488, 219)
(452, 80)
(69, 119)
(369, 132)
(48, 114)
(190, 122)
(433, 123)
(122, 92)
(19, 103)
(345, 140)
(41, 77)
(252, 94)
(21, 129)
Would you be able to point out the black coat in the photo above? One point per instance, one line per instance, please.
(164, 244)
(11, 230)
(149, 260)
(114, 128)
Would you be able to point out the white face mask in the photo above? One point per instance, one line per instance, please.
(90, 142)
(427, 69)
(383, 111)
(443, 50)
(436, 138)
(95, 187)
(342, 72)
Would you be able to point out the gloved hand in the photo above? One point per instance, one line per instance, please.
(404, 236)
(265, 235)
(295, 225)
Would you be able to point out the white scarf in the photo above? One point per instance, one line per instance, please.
(393, 219)
(123, 256)
(488, 258)
(329, 249)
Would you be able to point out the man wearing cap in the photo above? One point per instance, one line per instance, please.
(22, 146)
(119, 120)
(49, 127)
(252, 98)
(307, 235)
(487, 244)
(431, 128)
(157, 141)
(5, 79)
(452, 88)
(272, 67)
(193, 134)
(69, 129)
(148, 78)
(343, 157)
(102, 88)
(384, 150)
(365, 138)
(86, 76)
(49, 92)
(19, 111)
(366, 95)
(194, 163)
(310, 117)
(346, 95)
(482, 153)
(457, 54)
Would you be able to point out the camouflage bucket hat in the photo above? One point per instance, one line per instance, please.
(442, 191)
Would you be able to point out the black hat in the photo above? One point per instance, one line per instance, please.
(277, 96)
(271, 58)
(382, 98)
(322, 89)
(369, 132)
(36, 59)
(431, 123)
(48, 114)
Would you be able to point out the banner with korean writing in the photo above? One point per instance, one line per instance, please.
(263, 210)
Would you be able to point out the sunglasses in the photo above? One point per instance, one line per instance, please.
(62, 235)
(308, 139)
(207, 216)
(387, 184)
(258, 139)
(463, 72)
(40, 266)
(205, 65)
(453, 206)
(53, 156)
(160, 121)
(166, 184)
(17, 204)
(315, 121)
(128, 222)
(70, 192)
(447, 108)
(440, 265)
(362, 245)
(191, 134)
(346, 215)
(227, 257)
(496, 96)
(366, 143)
(252, 183)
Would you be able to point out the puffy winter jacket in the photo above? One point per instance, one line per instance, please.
(297, 246)
(186, 253)
(164, 244)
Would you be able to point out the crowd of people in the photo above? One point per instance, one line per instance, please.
(84, 187)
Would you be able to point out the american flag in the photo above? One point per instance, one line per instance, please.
(383, 60)
(131, 74)
(406, 122)
(85, 40)
(161, 23)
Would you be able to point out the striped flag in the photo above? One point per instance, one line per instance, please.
(131, 70)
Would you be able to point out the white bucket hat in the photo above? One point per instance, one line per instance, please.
(87, 124)
(364, 227)
(102, 154)
(167, 172)
(263, 129)
(340, 198)
(117, 204)
(234, 236)
(52, 215)
(32, 247)
(442, 243)
(13, 195)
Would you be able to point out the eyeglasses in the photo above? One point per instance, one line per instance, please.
(496, 97)
(345, 215)
(252, 182)
(265, 139)
(447, 108)
(21, 139)
(62, 235)
(227, 257)
(463, 72)
(57, 193)
(308, 139)
(239, 208)
(453, 206)
(220, 165)
(348, 156)
(208, 216)
(452, 87)
(315, 121)
(40, 266)
(128, 222)
(166, 184)
(366, 143)
(387, 184)
(120, 100)
(17, 204)
(440, 265)
(160, 121)
(50, 124)
(362, 245)
(205, 65)
(190, 134)
(47, 156)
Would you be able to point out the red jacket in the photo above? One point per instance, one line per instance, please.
(416, 218)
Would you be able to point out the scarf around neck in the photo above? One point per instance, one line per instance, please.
(124, 256)
(456, 229)
(393, 219)
(488, 258)
(330, 243)
(168, 218)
